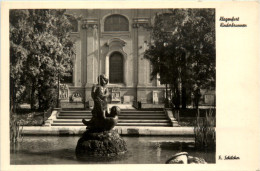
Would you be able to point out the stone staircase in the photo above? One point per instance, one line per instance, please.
(127, 117)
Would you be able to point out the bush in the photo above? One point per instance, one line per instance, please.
(50, 98)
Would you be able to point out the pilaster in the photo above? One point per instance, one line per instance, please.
(92, 45)
(77, 76)
(141, 25)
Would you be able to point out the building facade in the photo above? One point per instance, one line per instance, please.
(113, 42)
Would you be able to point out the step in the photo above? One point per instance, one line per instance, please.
(144, 124)
(122, 111)
(140, 111)
(120, 118)
(76, 111)
(67, 124)
(141, 114)
(74, 114)
(124, 115)
(74, 117)
(121, 115)
(119, 121)
(129, 112)
(134, 114)
(127, 117)
(142, 117)
(143, 121)
(69, 121)
(153, 109)
(119, 124)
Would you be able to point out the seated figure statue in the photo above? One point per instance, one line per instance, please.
(101, 119)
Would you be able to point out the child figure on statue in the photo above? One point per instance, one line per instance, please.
(101, 119)
(99, 94)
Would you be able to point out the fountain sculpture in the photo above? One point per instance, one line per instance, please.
(99, 139)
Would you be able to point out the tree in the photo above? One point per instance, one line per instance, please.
(40, 50)
(183, 51)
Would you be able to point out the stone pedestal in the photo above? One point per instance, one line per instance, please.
(106, 143)
(127, 99)
(155, 97)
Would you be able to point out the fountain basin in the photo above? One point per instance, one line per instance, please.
(34, 150)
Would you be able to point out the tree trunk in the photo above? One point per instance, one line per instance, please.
(166, 100)
(197, 96)
(40, 101)
(183, 97)
(32, 99)
(183, 81)
(178, 98)
(41, 96)
(176, 95)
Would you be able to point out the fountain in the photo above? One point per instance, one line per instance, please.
(99, 139)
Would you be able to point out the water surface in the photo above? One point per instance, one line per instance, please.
(141, 150)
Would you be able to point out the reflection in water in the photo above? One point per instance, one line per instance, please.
(141, 150)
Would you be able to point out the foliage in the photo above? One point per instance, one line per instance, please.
(40, 50)
(205, 135)
(183, 50)
(15, 131)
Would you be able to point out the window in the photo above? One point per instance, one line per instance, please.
(116, 68)
(116, 23)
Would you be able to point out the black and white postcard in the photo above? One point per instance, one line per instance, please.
(130, 85)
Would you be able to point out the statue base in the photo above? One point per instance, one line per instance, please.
(106, 143)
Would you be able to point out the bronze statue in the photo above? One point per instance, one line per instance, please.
(101, 119)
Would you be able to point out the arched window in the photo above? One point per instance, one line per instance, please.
(116, 23)
(116, 68)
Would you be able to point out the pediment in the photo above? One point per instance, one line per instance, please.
(116, 42)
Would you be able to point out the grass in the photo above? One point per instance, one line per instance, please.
(204, 130)
(25, 117)
(188, 117)
(15, 131)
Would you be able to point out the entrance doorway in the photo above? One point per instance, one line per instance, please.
(116, 69)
